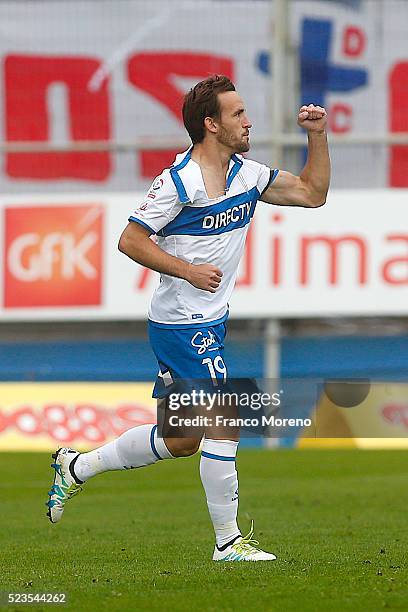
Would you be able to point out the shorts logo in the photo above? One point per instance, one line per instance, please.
(53, 256)
(143, 206)
(202, 343)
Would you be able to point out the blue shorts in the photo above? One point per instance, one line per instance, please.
(187, 355)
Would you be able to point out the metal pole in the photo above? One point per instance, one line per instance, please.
(278, 109)
(272, 353)
(278, 54)
(272, 365)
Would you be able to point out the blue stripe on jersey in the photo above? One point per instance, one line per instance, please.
(234, 170)
(184, 161)
(272, 176)
(181, 192)
(275, 173)
(228, 215)
(131, 218)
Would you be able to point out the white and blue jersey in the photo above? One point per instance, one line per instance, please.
(193, 227)
(186, 324)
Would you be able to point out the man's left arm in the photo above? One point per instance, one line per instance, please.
(311, 187)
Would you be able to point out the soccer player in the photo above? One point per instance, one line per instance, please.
(200, 210)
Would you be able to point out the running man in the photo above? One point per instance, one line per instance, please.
(200, 210)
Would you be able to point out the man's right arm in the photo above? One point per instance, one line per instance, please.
(135, 243)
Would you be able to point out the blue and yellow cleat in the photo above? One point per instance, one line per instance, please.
(65, 484)
(243, 549)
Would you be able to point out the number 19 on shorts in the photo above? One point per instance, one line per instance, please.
(214, 366)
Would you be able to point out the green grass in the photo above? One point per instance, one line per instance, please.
(143, 540)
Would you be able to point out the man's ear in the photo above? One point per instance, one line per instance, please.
(211, 125)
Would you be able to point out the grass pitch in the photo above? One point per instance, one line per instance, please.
(143, 540)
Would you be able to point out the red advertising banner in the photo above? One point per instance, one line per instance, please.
(53, 256)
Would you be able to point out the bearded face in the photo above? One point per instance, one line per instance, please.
(233, 124)
(234, 138)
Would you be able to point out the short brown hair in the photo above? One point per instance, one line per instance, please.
(201, 102)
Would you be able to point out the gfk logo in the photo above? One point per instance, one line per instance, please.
(53, 256)
(41, 264)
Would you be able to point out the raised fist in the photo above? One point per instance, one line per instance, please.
(312, 118)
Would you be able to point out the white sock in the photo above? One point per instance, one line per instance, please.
(220, 481)
(135, 448)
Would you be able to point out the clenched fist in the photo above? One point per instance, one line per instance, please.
(204, 276)
(312, 118)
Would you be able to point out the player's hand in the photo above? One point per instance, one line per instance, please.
(312, 118)
(204, 276)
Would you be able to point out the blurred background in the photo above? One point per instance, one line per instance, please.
(91, 96)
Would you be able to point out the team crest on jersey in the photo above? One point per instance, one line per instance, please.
(158, 183)
(202, 342)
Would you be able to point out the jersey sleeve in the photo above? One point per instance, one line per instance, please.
(159, 206)
(266, 177)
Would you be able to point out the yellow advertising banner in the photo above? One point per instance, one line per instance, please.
(43, 416)
(379, 421)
